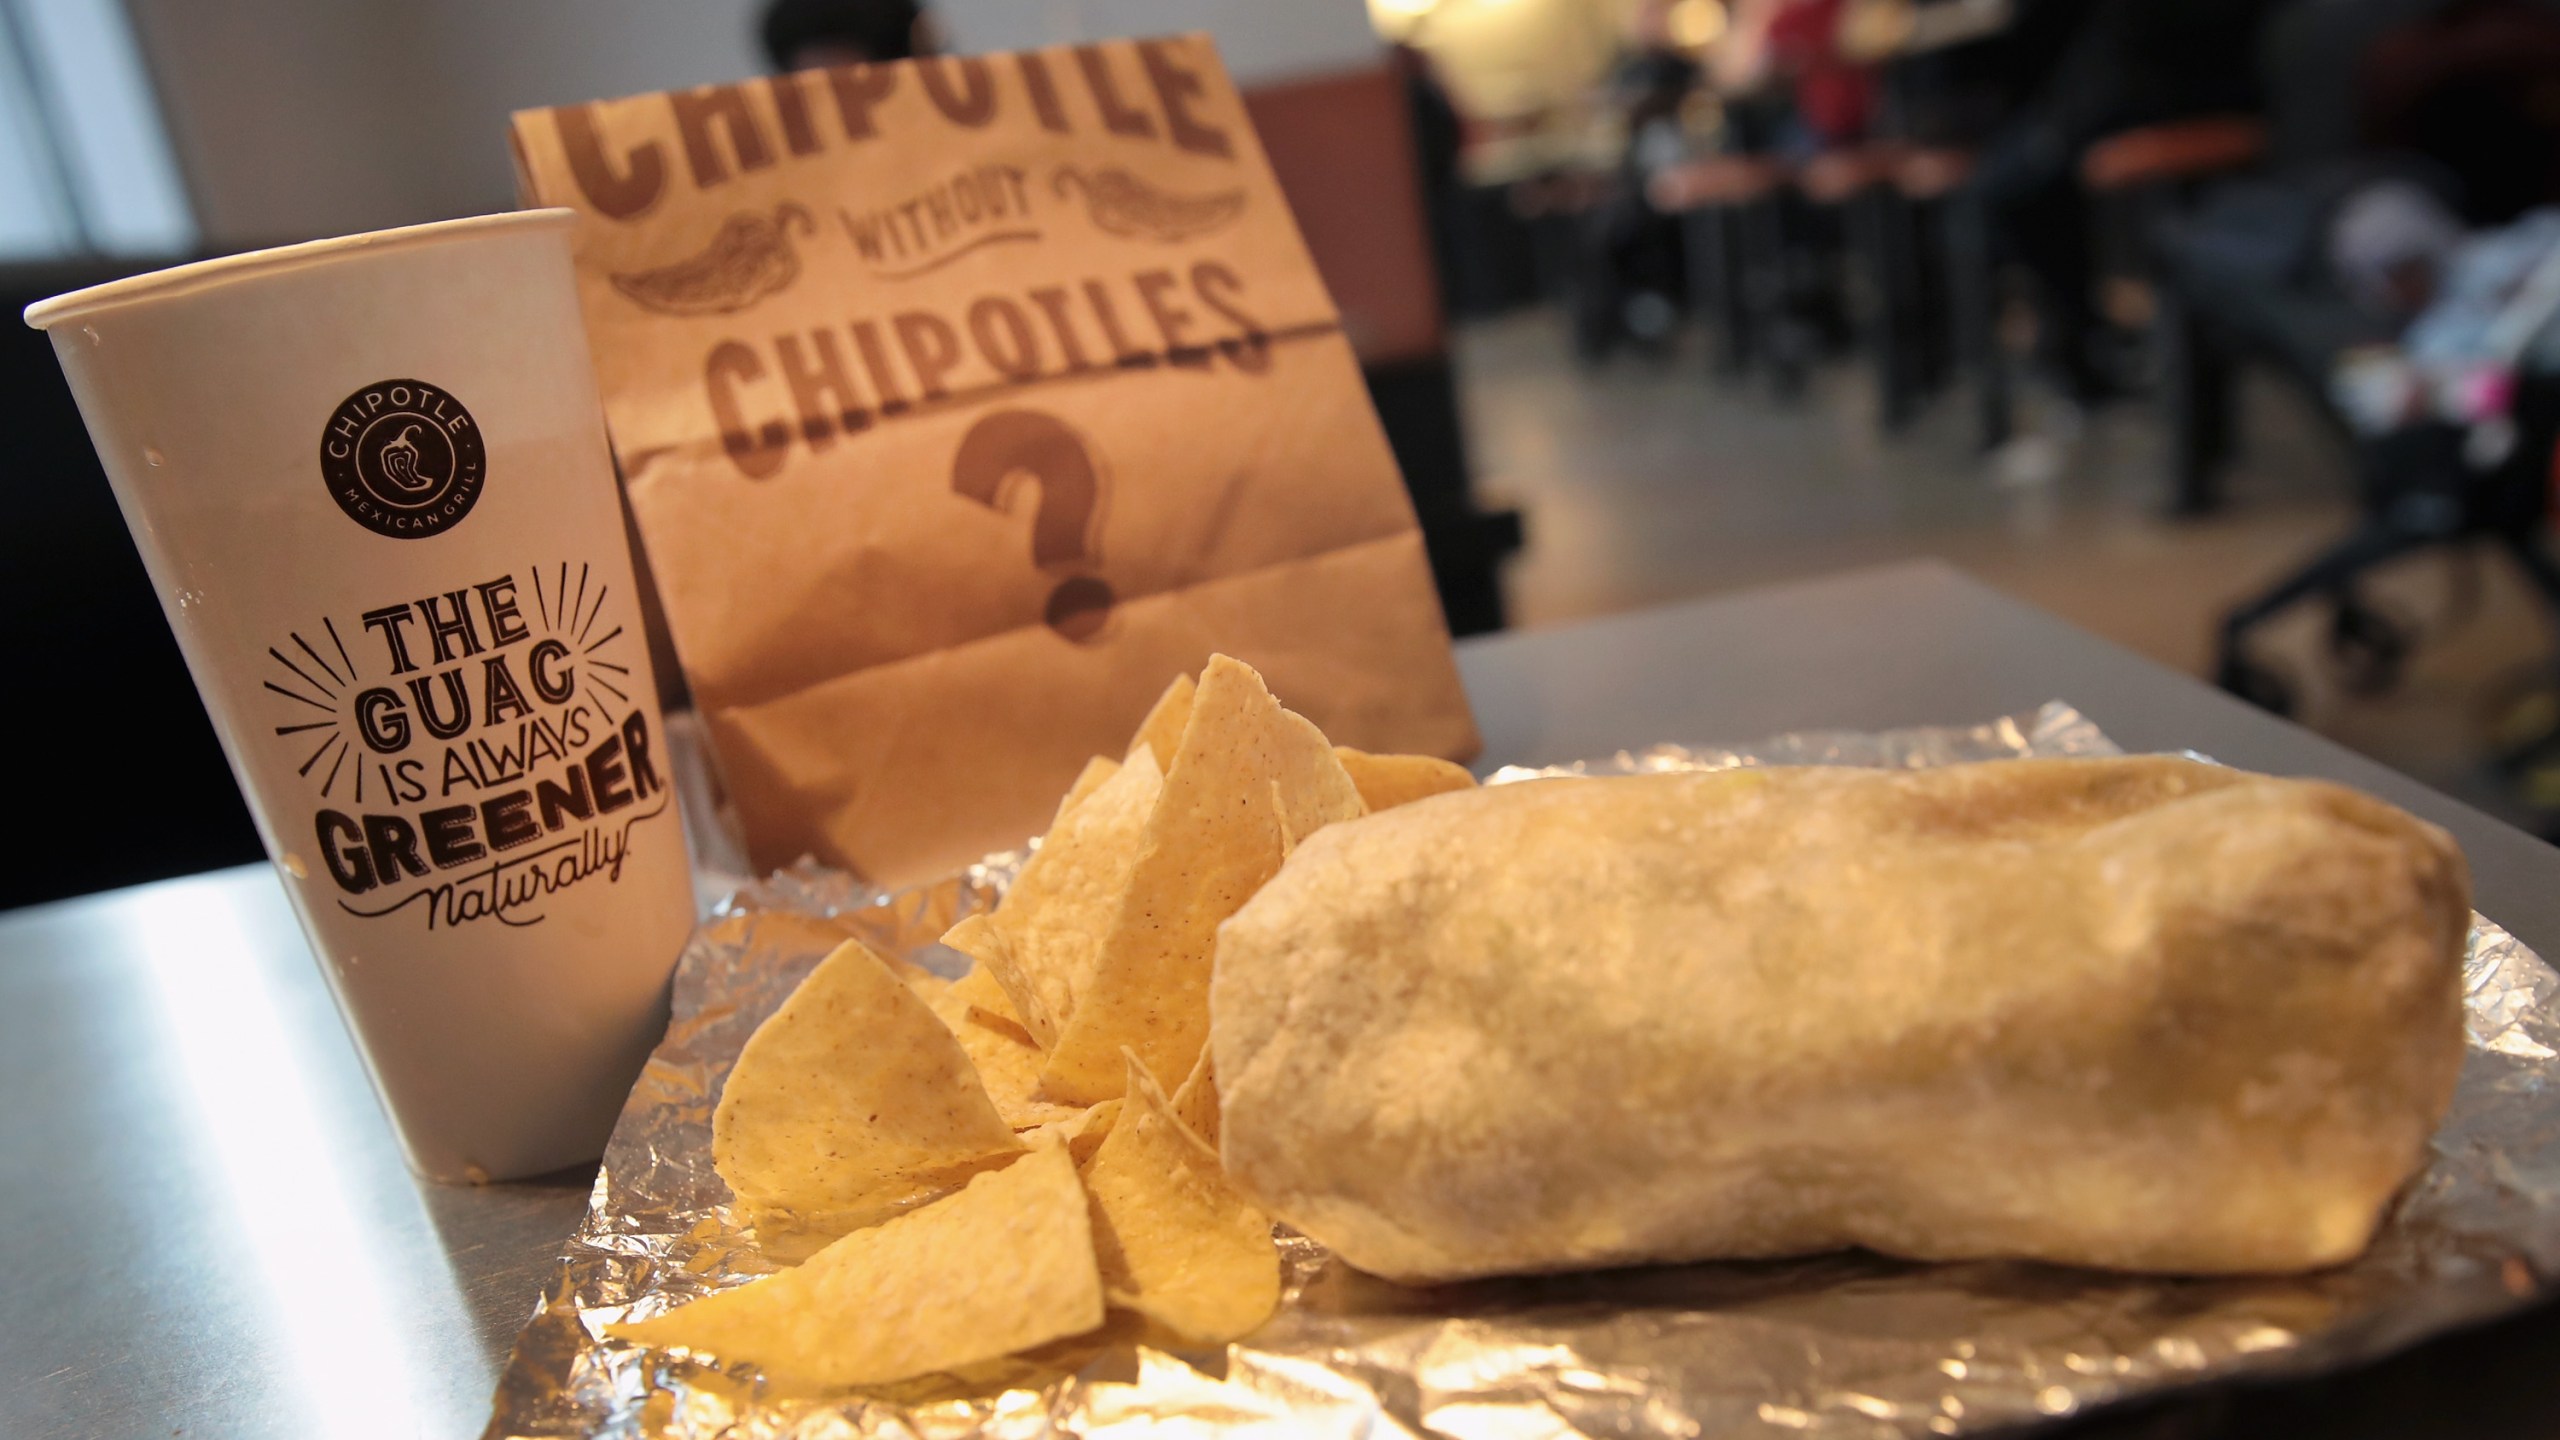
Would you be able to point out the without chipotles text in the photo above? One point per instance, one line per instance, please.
(812, 386)
(458, 653)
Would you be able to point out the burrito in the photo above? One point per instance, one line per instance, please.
(2141, 1014)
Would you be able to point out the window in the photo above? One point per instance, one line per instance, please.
(85, 164)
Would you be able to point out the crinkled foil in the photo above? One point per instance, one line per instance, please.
(1839, 1345)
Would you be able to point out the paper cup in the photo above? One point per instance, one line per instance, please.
(369, 479)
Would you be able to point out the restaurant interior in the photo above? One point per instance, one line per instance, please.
(2118, 307)
(2214, 329)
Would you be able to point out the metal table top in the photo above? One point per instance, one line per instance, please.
(206, 1229)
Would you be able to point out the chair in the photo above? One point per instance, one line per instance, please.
(1898, 202)
(1726, 207)
(2150, 174)
(1556, 209)
(1929, 179)
(1863, 183)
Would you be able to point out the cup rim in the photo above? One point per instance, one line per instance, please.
(225, 269)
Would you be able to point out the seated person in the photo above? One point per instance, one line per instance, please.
(1796, 43)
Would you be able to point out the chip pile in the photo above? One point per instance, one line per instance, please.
(978, 1167)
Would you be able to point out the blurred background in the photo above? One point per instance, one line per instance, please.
(2223, 328)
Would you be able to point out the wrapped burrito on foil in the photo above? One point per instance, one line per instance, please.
(1849, 1344)
(2136, 1013)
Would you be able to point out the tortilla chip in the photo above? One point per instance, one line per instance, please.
(928, 987)
(975, 936)
(780, 937)
(1051, 922)
(1175, 1241)
(1082, 1134)
(1212, 839)
(1088, 780)
(1195, 1100)
(1004, 1265)
(1009, 1066)
(1387, 781)
(776, 933)
(1161, 731)
(852, 1102)
(987, 1002)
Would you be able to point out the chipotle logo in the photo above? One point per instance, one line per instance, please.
(403, 458)
(475, 752)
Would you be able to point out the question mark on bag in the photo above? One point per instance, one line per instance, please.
(1044, 449)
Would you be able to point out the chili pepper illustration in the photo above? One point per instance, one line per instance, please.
(748, 260)
(1126, 205)
(399, 461)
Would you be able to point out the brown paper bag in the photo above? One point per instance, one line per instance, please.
(964, 402)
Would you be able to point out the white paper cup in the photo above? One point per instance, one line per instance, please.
(369, 478)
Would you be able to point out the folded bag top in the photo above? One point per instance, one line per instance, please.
(962, 403)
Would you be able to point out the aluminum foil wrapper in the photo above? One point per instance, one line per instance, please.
(1837, 1345)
